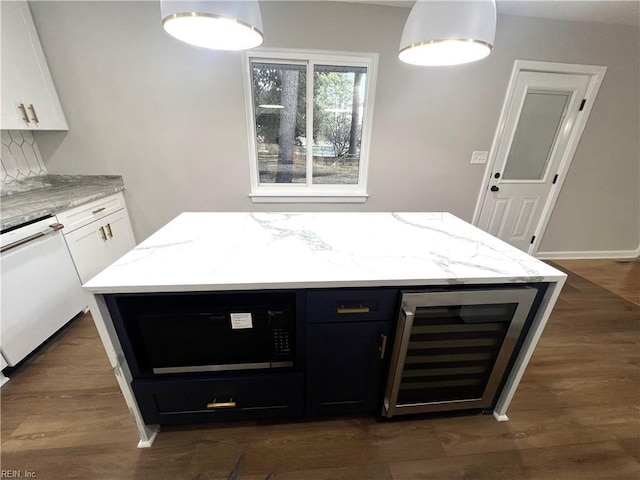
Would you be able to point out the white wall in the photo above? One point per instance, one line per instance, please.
(170, 118)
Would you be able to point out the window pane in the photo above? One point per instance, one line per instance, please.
(279, 101)
(535, 136)
(338, 106)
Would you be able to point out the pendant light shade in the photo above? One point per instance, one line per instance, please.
(448, 32)
(219, 25)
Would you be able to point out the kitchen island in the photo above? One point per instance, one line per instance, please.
(314, 261)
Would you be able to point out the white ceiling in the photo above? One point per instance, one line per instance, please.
(608, 11)
(612, 11)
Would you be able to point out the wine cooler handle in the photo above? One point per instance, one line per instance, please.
(398, 357)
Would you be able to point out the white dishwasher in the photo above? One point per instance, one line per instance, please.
(39, 287)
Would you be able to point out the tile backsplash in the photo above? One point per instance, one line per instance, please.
(19, 156)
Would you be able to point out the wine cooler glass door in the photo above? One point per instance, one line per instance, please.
(452, 348)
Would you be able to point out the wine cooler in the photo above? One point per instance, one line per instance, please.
(452, 348)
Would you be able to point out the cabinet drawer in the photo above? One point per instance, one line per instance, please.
(351, 305)
(87, 213)
(233, 398)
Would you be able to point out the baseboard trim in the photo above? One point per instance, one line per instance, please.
(588, 254)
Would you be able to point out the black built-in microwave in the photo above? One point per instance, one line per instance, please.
(214, 336)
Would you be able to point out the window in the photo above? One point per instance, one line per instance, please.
(309, 126)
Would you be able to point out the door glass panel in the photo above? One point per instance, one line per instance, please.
(535, 136)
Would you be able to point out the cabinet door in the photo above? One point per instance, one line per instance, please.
(119, 234)
(97, 245)
(25, 74)
(345, 366)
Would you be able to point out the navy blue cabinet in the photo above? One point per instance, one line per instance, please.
(351, 305)
(347, 348)
(339, 342)
(219, 398)
(345, 366)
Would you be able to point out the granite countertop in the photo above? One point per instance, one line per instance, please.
(240, 251)
(35, 197)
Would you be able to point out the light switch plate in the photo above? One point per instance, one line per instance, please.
(479, 157)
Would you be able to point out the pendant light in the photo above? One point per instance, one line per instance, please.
(219, 25)
(448, 32)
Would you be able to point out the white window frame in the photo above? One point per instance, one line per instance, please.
(310, 193)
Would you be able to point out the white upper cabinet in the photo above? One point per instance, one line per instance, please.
(29, 98)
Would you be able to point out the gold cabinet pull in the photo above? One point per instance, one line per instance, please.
(103, 234)
(23, 109)
(98, 210)
(214, 405)
(109, 232)
(383, 347)
(359, 309)
(33, 111)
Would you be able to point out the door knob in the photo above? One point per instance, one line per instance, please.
(494, 188)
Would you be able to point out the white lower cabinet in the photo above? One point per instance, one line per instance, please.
(99, 241)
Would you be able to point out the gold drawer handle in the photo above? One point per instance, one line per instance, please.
(359, 309)
(25, 116)
(213, 405)
(35, 115)
(109, 231)
(103, 233)
(98, 210)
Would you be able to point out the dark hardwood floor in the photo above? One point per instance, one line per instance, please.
(621, 276)
(576, 415)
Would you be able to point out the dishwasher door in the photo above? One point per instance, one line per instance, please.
(452, 348)
(39, 287)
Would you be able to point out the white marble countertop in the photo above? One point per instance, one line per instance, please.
(240, 251)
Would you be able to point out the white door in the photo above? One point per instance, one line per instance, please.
(542, 114)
